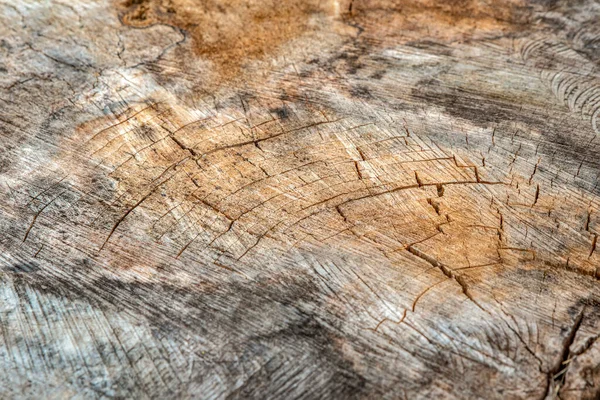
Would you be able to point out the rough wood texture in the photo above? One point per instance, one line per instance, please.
(312, 199)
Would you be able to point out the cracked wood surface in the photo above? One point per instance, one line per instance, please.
(316, 199)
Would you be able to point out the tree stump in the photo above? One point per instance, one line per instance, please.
(281, 199)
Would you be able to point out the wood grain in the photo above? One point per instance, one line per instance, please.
(278, 199)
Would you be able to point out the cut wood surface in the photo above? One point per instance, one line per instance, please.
(382, 199)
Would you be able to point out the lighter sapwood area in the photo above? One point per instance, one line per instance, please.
(374, 199)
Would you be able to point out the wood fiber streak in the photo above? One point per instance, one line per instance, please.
(317, 199)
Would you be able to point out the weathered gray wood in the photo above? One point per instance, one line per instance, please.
(277, 199)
